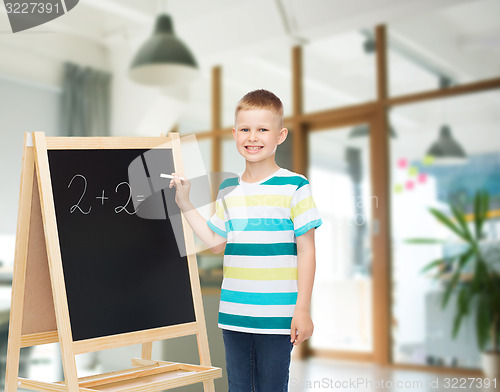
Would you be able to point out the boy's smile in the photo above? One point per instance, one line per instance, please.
(253, 149)
(257, 134)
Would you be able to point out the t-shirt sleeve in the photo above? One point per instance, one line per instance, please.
(217, 222)
(304, 213)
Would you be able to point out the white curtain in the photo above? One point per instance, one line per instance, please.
(86, 101)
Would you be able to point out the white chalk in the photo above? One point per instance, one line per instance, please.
(163, 175)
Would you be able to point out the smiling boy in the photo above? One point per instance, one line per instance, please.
(264, 221)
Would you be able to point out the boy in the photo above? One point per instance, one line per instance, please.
(264, 220)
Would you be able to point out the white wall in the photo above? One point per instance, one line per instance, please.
(30, 84)
(38, 56)
(25, 108)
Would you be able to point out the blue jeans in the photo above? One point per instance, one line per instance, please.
(257, 362)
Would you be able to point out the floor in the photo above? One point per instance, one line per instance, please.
(317, 374)
(328, 375)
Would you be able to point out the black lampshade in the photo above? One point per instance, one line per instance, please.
(163, 59)
(446, 149)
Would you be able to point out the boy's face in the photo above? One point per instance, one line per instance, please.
(257, 133)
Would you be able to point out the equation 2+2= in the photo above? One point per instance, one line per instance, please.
(103, 197)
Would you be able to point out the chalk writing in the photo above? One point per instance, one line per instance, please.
(118, 209)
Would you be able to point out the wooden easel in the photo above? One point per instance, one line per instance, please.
(39, 311)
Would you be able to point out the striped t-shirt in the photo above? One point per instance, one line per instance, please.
(261, 222)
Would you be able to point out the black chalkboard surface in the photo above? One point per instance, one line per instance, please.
(123, 265)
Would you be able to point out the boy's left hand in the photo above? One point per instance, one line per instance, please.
(302, 327)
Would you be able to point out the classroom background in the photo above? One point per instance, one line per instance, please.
(392, 107)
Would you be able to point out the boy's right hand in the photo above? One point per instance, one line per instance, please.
(182, 190)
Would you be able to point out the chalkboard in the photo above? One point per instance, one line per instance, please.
(124, 268)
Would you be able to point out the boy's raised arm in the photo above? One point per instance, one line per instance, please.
(215, 242)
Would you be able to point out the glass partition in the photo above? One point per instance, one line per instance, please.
(422, 177)
(339, 70)
(339, 173)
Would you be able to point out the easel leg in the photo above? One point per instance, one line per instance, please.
(69, 367)
(147, 350)
(201, 336)
(15, 324)
(19, 274)
(208, 386)
(14, 343)
(55, 262)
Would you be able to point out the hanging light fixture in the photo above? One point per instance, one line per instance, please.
(163, 59)
(446, 150)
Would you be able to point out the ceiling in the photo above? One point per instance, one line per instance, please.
(219, 29)
(457, 39)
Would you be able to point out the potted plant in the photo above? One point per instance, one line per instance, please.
(481, 288)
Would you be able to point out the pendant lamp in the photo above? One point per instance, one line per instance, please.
(446, 149)
(163, 60)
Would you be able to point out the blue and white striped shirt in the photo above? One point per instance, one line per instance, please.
(261, 222)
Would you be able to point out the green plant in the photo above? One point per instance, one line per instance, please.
(483, 288)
